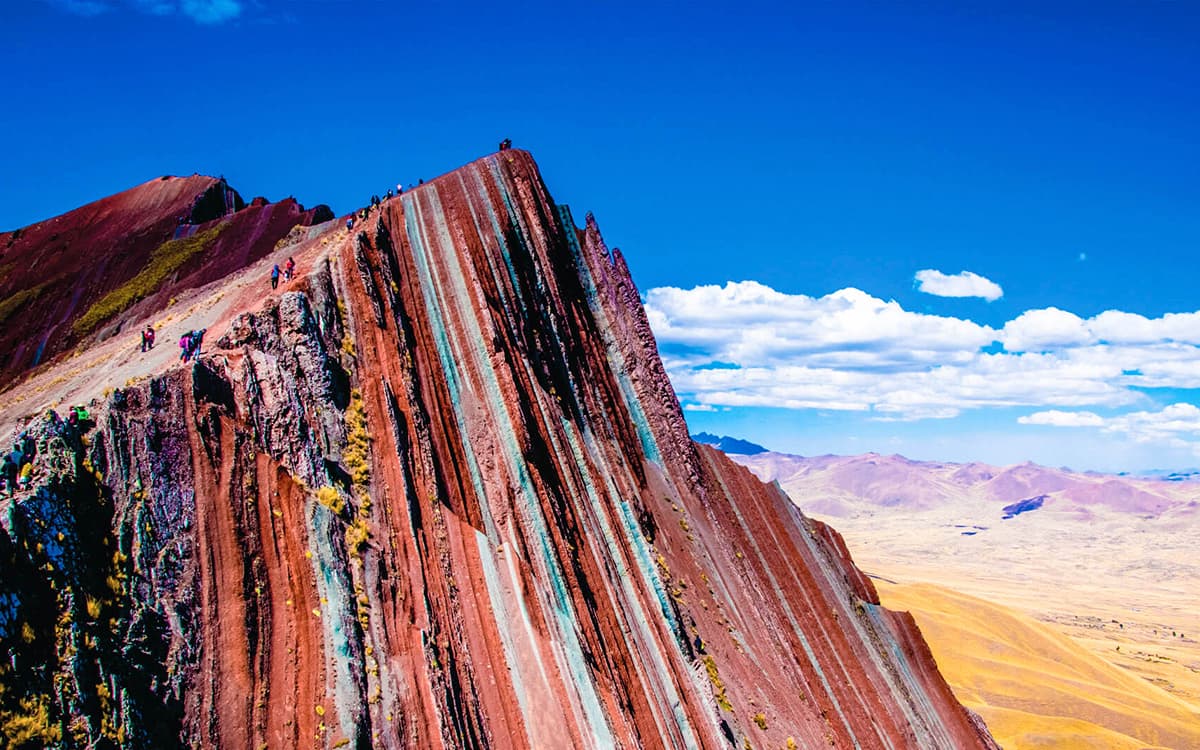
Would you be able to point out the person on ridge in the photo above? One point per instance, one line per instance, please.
(350, 224)
(399, 188)
(290, 269)
(197, 339)
(275, 276)
(148, 339)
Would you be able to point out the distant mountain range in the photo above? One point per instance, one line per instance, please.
(729, 444)
(843, 486)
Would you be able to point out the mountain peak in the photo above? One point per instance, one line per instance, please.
(434, 491)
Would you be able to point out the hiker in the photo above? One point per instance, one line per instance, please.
(421, 181)
(275, 276)
(197, 339)
(72, 418)
(350, 224)
(9, 472)
(81, 413)
(389, 194)
(290, 269)
(148, 339)
(185, 343)
(26, 476)
(506, 144)
(399, 188)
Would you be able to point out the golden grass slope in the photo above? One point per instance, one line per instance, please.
(1036, 688)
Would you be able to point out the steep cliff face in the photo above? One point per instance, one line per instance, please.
(438, 492)
(87, 273)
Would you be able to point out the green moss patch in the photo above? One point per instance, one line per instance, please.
(168, 258)
(14, 302)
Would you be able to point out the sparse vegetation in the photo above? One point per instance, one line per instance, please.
(357, 535)
(330, 498)
(718, 685)
(358, 443)
(14, 302)
(761, 720)
(168, 258)
(30, 726)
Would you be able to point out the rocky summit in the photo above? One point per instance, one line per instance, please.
(435, 491)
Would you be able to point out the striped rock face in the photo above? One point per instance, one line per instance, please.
(437, 492)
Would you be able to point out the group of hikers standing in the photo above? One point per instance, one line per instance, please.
(16, 472)
(16, 465)
(189, 343)
(376, 202)
(289, 270)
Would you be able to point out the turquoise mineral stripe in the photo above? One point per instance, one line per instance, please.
(646, 568)
(578, 460)
(491, 577)
(565, 617)
(414, 224)
(501, 287)
(518, 219)
(337, 615)
(900, 688)
(634, 404)
(498, 234)
(787, 610)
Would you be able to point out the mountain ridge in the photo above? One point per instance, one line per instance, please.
(436, 491)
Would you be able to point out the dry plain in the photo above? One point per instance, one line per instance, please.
(1074, 624)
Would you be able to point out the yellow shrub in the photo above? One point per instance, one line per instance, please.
(30, 726)
(357, 535)
(358, 443)
(330, 498)
(718, 685)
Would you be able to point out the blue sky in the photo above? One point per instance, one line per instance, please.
(794, 149)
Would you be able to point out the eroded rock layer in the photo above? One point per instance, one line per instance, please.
(440, 494)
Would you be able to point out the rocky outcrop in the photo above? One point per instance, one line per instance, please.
(439, 495)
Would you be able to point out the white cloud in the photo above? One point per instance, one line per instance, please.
(1039, 330)
(1177, 425)
(750, 323)
(963, 284)
(1058, 418)
(746, 344)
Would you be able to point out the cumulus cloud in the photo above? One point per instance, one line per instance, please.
(1058, 418)
(746, 344)
(201, 11)
(1177, 425)
(1051, 328)
(963, 284)
(748, 322)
